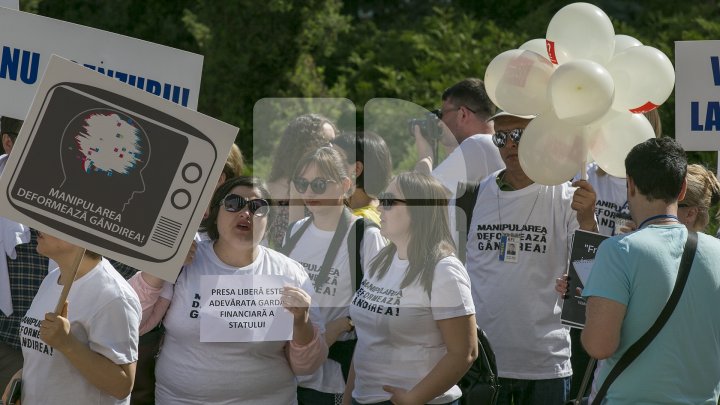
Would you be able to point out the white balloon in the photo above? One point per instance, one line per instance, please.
(539, 46)
(623, 42)
(536, 45)
(580, 91)
(517, 80)
(584, 31)
(551, 151)
(644, 78)
(613, 137)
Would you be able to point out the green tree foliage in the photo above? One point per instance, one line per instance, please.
(363, 49)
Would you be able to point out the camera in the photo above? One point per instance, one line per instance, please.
(428, 126)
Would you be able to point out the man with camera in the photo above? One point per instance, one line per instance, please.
(465, 134)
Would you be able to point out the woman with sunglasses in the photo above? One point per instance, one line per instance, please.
(303, 134)
(189, 371)
(325, 243)
(414, 313)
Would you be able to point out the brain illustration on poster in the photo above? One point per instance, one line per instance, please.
(103, 171)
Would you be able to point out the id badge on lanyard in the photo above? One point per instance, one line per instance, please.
(509, 248)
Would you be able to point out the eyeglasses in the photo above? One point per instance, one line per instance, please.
(318, 185)
(234, 203)
(387, 200)
(499, 138)
(440, 112)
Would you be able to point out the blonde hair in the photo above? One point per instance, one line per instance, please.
(703, 191)
(234, 164)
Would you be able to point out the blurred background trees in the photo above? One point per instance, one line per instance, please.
(362, 49)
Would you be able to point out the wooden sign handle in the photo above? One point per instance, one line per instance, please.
(69, 282)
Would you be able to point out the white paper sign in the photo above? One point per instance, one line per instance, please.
(28, 41)
(243, 308)
(114, 169)
(583, 268)
(697, 95)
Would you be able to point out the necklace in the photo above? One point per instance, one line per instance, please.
(664, 217)
(531, 209)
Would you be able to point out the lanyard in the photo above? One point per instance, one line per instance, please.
(661, 216)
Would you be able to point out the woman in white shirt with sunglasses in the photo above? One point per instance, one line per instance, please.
(189, 371)
(413, 313)
(320, 243)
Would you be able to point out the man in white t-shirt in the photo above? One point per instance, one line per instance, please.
(514, 289)
(466, 136)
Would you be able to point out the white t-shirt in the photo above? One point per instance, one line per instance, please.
(517, 304)
(192, 372)
(104, 313)
(334, 296)
(399, 341)
(474, 159)
(611, 194)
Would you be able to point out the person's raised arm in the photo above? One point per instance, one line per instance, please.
(584, 204)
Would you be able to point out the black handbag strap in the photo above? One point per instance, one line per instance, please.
(342, 229)
(589, 370)
(340, 232)
(465, 198)
(291, 240)
(634, 351)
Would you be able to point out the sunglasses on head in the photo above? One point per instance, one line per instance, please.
(387, 200)
(318, 185)
(234, 203)
(499, 138)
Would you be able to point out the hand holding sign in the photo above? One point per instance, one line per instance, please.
(55, 329)
(297, 301)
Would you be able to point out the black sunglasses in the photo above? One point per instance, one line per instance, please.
(234, 203)
(440, 112)
(318, 185)
(387, 200)
(499, 138)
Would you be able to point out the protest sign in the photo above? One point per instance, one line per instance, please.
(114, 169)
(29, 40)
(582, 257)
(243, 308)
(697, 99)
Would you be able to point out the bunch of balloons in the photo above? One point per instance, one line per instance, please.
(588, 88)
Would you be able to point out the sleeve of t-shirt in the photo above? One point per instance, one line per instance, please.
(473, 160)
(450, 296)
(608, 277)
(372, 244)
(113, 331)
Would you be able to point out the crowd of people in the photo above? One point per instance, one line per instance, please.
(387, 281)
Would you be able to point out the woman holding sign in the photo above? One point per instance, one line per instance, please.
(196, 369)
(414, 313)
(86, 353)
(332, 244)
